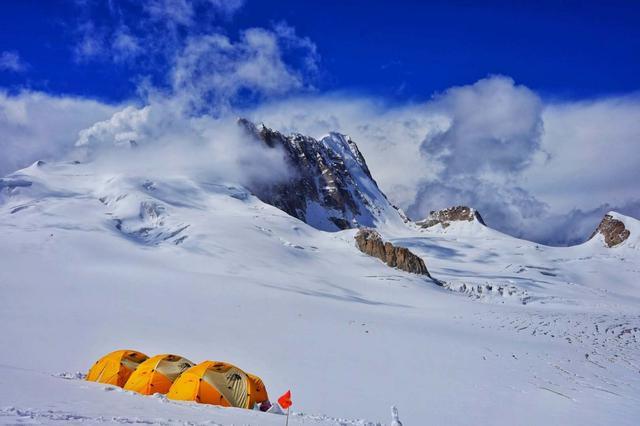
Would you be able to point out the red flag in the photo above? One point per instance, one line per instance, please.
(285, 400)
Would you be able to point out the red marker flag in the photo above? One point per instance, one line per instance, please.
(285, 400)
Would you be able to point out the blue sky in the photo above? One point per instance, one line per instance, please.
(528, 111)
(395, 49)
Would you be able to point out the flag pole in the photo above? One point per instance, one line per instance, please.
(287, 423)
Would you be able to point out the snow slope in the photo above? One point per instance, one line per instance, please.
(91, 262)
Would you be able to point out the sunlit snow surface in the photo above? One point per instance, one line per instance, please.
(90, 262)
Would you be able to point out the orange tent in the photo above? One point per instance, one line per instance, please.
(157, 374)
(218, 383)
(260, 389)
(116, 367)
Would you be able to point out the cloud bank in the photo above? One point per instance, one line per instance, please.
(36, 126)
(159, 140)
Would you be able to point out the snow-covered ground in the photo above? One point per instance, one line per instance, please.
(91, 262)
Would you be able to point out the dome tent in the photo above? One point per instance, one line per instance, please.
(116, 367)
(218, 383)
(260, 389)
(157, 374)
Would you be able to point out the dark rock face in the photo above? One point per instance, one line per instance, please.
(371, 243)
(331, 188)
(613, 231)
(452, 214)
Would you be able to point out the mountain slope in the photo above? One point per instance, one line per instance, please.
(94, 261)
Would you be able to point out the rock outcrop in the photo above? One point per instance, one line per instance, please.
(331, 187)
(612, 230)
(452, 214)
(370, 242)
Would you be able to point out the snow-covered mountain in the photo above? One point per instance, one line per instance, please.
(507, 332)
(331, 187)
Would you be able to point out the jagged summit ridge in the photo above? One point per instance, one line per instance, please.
(446, 216)
(331, 187)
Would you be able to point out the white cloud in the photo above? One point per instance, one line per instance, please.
(594, 153)
(159, 138)
(170, 12)
(213, 70)
(125, 127)
(11, 61)
(156, 138)
(179, 45)
(182, 12)
(495, 128)
(494, 132)
(226, 7)
(159, 31)
(91, 43)
(125, 45)
(304, 46)
(38, 126)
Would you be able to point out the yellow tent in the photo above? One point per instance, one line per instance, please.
(218, 383)
(157, 374)
(259, 387)
(116, 367)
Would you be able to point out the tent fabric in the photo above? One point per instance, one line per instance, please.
(260, 389)
(217, 383)
(116, 367)
(157, 374)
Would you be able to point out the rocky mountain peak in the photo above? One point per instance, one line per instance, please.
(612, 229)
(446, 216)
(331, 187)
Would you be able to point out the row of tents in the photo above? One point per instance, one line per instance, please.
(210, 382)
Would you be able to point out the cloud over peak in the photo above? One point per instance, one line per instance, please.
(495, 127)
